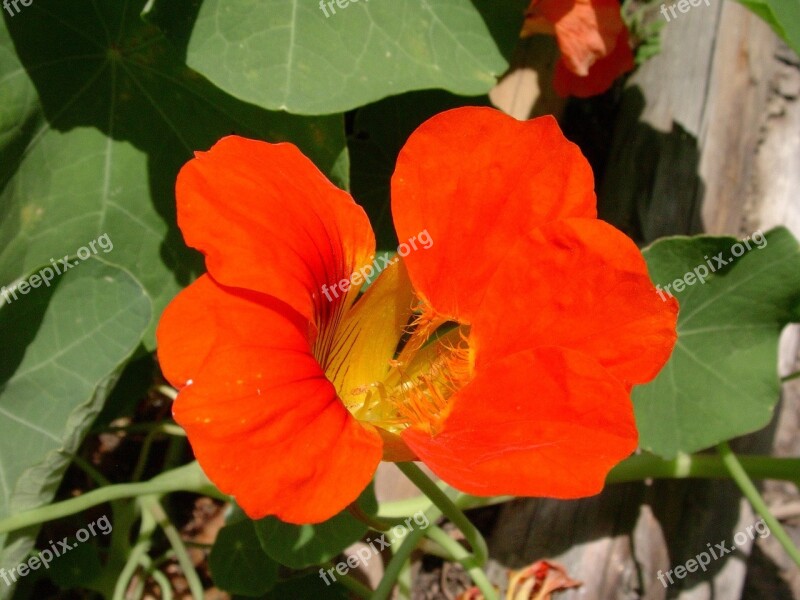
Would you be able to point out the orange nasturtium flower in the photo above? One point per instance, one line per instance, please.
(593, 40)
(502, 356)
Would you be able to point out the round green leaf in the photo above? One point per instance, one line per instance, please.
(721, 381)
(311, 57)
(69, 342)
(310, 586)
(237, 562)
(94, 129)
(301, 546)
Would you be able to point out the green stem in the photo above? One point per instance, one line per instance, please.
(188, 478)
(144, 454)
(448, 508)
(168, 391)
(166, 428)
(430, 548)
(460, 554)
(151, 504)
(706, 466)
(123, 515)
(138, 552)
(636, 468)
(405, 582)
(96, 476)
(401, 555)
(372, 522)
(795, 375)
(354, 585)
(750, 492)
(163, 583)
(395, 511)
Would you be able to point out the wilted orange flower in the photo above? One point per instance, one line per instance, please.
(502, 356)
(539, 581)
(592, 38)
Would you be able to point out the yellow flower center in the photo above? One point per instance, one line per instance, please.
(415, 392)
(395, 362)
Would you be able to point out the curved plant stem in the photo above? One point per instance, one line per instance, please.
(163, 583)
(151, 504)
(750, 492)
(355, 586)
(448, 508)
(188, 478)
(372, 522)
(460, 554)
(790, 377)
(124, 516)
(144, 454)
(97, 477)
(136, 555)
(405, 582)
(395, 566)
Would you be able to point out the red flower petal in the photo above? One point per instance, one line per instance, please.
(264, 422)
(206, 316)
(475, 178)
(267, 220)
(546, 422)
(578, 284)
(601, 75)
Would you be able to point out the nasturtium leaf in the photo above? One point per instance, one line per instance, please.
(238, 563)
(79, 570)
(99, 113)
(782, 15)
(722, 379)
(301, 546)
(308, 586)
(64, 347)
(287, 54)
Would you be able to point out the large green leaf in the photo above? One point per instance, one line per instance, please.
(238, 563)
(287, 54)
(301, 546)
(68, 341)
(99, 112)
(310, 586)
(721, 381)
(782, 15)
